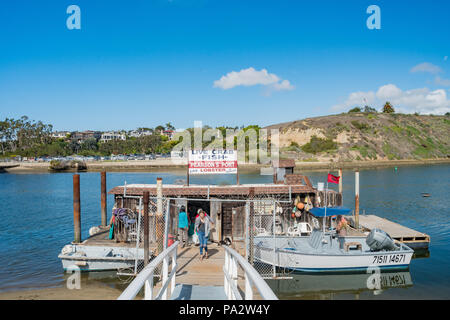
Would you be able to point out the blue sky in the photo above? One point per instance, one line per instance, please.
(144, 63)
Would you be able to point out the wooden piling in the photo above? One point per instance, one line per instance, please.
(340, 180)
(159, 204)
(159, 221)
(76, 209)
(103, 198)
(146, 228)
(251, 222)
(357, 199)
(187, 174)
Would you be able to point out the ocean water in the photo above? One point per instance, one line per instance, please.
(37, 221)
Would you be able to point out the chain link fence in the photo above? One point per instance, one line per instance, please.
(268, 224)
(248, 223)
(130, 228)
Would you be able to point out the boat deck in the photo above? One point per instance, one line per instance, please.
(102, 239)
(410, 237)
(304, 246)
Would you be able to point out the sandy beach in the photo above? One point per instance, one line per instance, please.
(89, 291)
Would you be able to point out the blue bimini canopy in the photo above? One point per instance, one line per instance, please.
(331, 211)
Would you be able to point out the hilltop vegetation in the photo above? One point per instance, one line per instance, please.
(360, 134)
(366, 136)
(29, 138)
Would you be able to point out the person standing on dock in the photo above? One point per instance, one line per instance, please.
(342, 225)
(183, 224)
(202, 227)
(341, 229)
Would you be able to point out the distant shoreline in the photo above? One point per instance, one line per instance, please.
(159, 165)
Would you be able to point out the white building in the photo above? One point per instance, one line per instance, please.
(138, 133)
(60, 134)
(109, 136)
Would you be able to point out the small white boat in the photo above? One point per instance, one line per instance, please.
(325, 252)
(99, 258)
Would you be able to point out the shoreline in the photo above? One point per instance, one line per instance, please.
(91, 291)
(159, 165)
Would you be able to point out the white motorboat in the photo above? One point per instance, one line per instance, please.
(99, 258)
(325, 252)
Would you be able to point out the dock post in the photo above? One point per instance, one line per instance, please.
(237, 173)
(103, 198)
(146, 227)
(159, 232)
(76, 209)
(251, 195)
(187, 174)
(357, 199)
(340, 181)
(159, 204)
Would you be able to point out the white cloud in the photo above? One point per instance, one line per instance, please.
(426, 67)
(421, 100)
(251, 77)
(388, 91)
(442, 82)
(283, 85)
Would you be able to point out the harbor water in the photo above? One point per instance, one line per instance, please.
(37, 221)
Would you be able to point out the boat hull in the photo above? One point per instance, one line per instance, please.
(95, 264)
(99, 258)
(299, 260)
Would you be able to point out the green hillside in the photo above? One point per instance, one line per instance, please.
(366, 136)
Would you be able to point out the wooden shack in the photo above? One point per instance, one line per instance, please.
(226, 205)
(281, 168)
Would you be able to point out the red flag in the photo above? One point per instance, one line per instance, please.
(333, 179)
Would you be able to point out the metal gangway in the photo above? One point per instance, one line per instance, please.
(232, 262)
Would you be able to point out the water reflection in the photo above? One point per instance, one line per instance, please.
(421, 253)
(327, 286)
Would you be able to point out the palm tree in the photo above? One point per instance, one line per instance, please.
(169, 126)
(388, 108)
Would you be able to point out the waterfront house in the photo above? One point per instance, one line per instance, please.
(112, 135)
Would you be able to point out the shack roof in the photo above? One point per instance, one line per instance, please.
(283, 163)
(211, 190)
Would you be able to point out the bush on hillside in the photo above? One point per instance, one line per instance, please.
(356, 109)
(316, 145)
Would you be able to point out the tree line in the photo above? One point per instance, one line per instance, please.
(19, 135)
(387, 108)
(28, 138)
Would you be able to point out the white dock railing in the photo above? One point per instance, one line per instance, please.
(145, 277)
(230, 269)
(252, 278)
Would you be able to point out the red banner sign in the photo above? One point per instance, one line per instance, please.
(212, 161)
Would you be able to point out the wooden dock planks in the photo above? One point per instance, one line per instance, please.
(395, 230)
(208, 272)
(203, 276)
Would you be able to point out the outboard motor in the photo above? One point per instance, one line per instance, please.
(379, 240)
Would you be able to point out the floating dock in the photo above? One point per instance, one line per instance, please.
(201, 280)
(412, 238)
